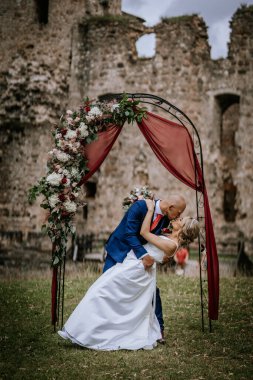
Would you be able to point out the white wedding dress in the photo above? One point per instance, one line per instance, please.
(117, 311)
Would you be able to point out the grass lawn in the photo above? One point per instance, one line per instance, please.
(30, 349)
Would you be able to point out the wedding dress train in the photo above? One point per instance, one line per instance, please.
(117, 311)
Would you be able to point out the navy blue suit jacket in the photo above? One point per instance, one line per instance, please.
(127, 235)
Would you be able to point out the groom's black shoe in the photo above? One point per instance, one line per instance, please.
(162, 340)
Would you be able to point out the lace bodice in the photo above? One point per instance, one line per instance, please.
(157, 253)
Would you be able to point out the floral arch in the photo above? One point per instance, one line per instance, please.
(83, 139)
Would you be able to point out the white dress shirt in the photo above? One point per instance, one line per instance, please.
(157, 210)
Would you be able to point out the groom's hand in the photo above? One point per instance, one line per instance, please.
(148, 261)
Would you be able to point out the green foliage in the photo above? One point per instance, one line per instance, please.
(178, 19)
(103, 20)
(129, 111)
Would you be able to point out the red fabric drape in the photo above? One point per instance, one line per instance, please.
(173, 146)
(97, 151)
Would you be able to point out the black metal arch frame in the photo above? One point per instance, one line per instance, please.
(184, 120)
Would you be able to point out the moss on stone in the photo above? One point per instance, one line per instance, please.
(178, 19)
(107, 19)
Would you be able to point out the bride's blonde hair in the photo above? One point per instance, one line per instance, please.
(189, 231)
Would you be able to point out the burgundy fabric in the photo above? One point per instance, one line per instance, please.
(212, 263)
(97, 151)
(173, 146)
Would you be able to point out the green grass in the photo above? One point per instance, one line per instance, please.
(30, 349)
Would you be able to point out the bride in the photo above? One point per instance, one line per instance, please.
(117, 311)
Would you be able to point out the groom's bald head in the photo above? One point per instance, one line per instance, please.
(173, 206)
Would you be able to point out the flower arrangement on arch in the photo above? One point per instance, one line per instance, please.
(67, 165)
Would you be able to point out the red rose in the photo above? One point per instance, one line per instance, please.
(64, 180)
(64, 131)
(87, 108)
(64, 213)
(166, 230)
(62, 197)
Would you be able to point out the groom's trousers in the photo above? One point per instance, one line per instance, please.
(109, 262)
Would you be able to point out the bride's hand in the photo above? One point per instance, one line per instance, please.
(148, 261)
(150, 204)
(166, 259)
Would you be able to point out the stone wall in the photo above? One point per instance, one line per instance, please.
(88, 48)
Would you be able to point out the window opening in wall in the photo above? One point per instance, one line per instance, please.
(229, 200)
(42, 11)
(85, 211)
(91, 189)
(146, 46)
(104, 3)
(229, 120)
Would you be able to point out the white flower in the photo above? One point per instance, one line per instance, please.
(95, 111)
(58, 136)
(66, 173)
(114, 107)
(70, 134)
(74, 172)
(70, 121)
(89, 118)
(69, 112)
(61, 156)
(83, 126)
(53, 200)
(69, 206)
(54, 179)
(83, 129)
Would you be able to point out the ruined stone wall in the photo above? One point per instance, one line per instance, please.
(88, 48)
(229, 90)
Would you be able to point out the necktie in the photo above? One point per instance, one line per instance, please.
(156, 221)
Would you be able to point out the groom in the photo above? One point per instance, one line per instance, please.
(127, 236)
